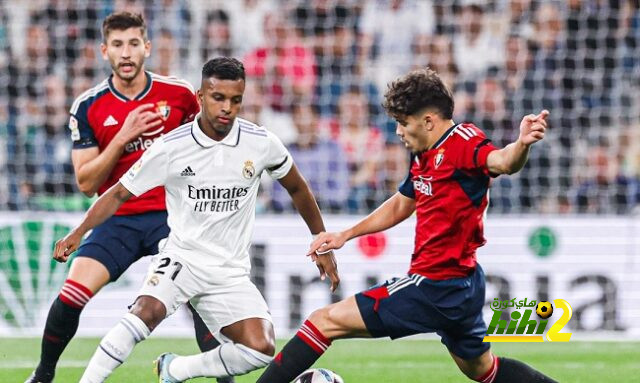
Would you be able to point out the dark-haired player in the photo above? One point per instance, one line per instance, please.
(444, 290)
(111, 125)
(210, 169)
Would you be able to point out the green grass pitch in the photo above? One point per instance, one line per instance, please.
(357, 361)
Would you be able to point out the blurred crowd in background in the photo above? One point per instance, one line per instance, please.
(317, 71)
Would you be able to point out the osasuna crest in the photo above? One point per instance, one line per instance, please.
(164, 109)
(248, 171)
(439, 157)
(73, 126)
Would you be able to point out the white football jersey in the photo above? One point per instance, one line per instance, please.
(211, 188)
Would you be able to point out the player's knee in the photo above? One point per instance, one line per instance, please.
(150, 310)
(91, 273)
(327, 321)
(321, 319)
(264, 345)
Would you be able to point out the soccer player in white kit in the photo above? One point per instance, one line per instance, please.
(210, 169)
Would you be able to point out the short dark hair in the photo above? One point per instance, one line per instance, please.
(122, 21)
(418, 90)
(218, 15)
(223, 68)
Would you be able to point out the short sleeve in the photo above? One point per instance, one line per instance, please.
(475, 150)
(149, 171)
(82, 134)
(278, 161)
(481, 152)
(191, 107)
(406, 187)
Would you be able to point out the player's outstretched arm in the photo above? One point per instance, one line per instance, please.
(92, 166)
(306, 204)
(512, 157)
(393, 211)
(103, 208)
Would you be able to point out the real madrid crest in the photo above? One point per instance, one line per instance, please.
(248, 171)
(135, 168)
(438, 158)
(153, 280)
(164, 109)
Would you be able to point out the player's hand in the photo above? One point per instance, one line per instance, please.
(327, 266)
(532, 128)
(325, 242)
(321, 252)
(138, 121)
(66, 246)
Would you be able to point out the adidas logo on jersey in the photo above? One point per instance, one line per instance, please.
(110, 121)
(188, 172)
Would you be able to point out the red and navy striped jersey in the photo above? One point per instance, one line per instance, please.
(449, 183)
(98, 114)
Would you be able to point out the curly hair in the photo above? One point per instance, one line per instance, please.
(418, 90)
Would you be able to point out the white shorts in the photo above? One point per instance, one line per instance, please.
(219, 301)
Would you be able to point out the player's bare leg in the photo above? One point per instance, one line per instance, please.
(340, 320)
(477, 367)
(252, 347)
(254, 333)
(150, 310)
(147, 313)
(86, 277)
(488, 368)
(90, 273)
(336, 321)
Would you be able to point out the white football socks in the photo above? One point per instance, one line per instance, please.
(228, 359)
(114, 348)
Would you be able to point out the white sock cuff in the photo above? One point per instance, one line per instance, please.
(135, 326)
(228, 359)
(252, 356)
(238, 359)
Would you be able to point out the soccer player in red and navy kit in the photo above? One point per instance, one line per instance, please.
(444, 290)
(111, 125)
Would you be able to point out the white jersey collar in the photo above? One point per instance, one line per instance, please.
(205, 141)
